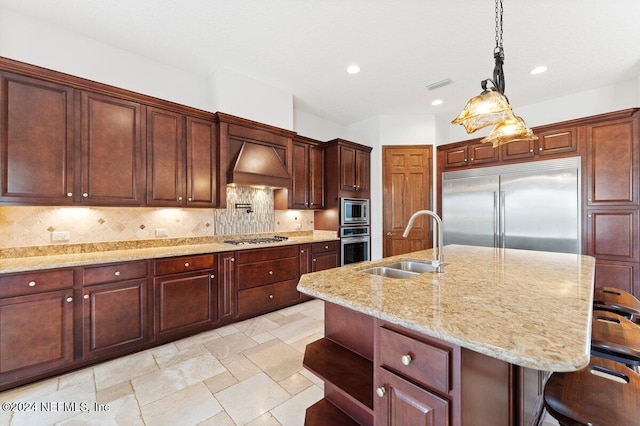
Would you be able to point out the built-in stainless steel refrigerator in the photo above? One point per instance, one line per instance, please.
(532, 206)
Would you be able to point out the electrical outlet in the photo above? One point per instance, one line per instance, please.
(162, 232)
(60, 236)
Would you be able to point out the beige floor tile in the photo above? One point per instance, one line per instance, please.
(314, 309)
(30, 392)
(220, 382)
(123, 369)
(227, 330)
(295, 383)
(292, 411)
(189, 406)
(161, 383)
(163, 350)
(240, 366)
(314, 379)
(104, 396)
(266, 419)
(299, 329)
(264, 337)
(251, 398)
(283, 320)
(229, 345)
(198, 339)
(276, 358)
(188, 352)
(220, 419)
(76, 378)
(301, 345)
(122, 411)
(256, 326)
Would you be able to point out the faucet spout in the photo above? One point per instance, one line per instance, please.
(440, 260)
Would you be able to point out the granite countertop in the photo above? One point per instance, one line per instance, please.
(128, 251)
(528, 308)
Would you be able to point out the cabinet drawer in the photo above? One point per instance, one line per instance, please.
(183, 264)
(110, 273)
(35, 282)
(261, 273)
(325, 247)
(268, 297)
(271, 253)
(426, 364)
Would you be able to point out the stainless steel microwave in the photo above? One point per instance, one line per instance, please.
(354, 211)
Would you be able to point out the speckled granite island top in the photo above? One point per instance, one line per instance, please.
(528, 308)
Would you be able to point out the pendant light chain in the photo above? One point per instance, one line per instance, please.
(498, 24)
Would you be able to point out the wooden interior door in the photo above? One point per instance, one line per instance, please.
(406, 177)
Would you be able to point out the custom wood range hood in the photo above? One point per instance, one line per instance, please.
(259, 165)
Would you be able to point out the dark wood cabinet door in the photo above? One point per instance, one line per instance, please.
(518, 150)
(363, 172)
(483, 153)
(300, 177)
(347, 168)
(112, 155)
(227, 287)
(165, 174)
(557, 141)
(305, 258)
(114, 317)
(36, 141)
(531, 390)
(316, 177)
(613, 234)
(183, 303)
(201, 162)
(455, 157)
(613, 162)
(37, 334)
(622, 275)
(322, 261)
(403, 403)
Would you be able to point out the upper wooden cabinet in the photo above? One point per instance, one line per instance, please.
(36, 141)
(347, 171)
(111, 147)
(307, 177)
(181, 160)
(470, 154)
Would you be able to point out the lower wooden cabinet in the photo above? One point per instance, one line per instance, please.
(401, 402)
(227, 288)
(36, 333)
(325, 255)
(114, 317)
(184, 302)
(267, 297)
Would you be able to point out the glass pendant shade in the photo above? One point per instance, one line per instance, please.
(486, 109)
(509, 130)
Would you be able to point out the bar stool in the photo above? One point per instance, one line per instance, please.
(618, 301)
(605, 393)
(616, 338)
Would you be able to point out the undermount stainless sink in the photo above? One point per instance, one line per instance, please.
(401, 269)
(412, 266)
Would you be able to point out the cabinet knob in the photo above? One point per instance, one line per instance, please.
(270, 272)
(212, 276)
(179, 198)
(381, 391)
(539, 149)
(69, 299)
(271, 296)
(189, 199)
(85, 195)
(32, 283)
(354, 187)
(589, 199)
(301, 251)
(406, 359)
(314, 260)
(69, 194)
(326, 247)
(186, 264)
(85, 297)
(116, 273)
(465, 160)
(233, 259)
(531, 150)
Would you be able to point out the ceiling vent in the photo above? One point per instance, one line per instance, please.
(439, 84)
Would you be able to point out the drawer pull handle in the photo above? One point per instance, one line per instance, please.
(326, 247)
(186, 264)
(116, 273)
(406, 359)
(32, 283)
(85, 195)
(86, 297)
(69, 299)
(381, 391)
(270, 272)
(271, 296)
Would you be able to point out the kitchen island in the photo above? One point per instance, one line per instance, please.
(474, 335)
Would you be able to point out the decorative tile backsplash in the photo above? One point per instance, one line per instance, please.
(27, 226)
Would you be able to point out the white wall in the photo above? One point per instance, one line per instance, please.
(315, 127)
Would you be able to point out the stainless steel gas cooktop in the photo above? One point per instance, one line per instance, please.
(263, 240)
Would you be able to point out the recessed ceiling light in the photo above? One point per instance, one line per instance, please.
(437, 102)
(353, 69)
(538, 70)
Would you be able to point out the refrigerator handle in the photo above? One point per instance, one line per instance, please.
(496, 242)
(502, 224)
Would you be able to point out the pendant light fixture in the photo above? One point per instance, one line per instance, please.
(491, 107)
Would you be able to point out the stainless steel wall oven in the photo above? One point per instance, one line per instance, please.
(355, 244)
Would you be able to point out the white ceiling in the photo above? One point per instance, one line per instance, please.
(305, 46)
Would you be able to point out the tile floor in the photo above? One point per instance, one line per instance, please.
(249, 373)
